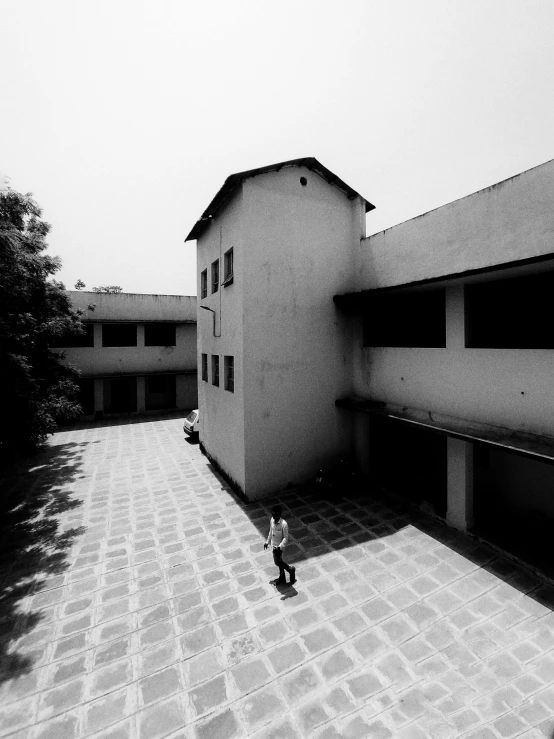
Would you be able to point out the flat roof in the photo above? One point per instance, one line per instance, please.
(516, 267)
(232, 182)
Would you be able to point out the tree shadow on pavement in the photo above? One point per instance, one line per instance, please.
(367, 515)
(33, 546)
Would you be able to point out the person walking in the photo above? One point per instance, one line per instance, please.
(278, 537)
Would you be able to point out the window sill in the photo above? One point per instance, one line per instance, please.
(228, 281)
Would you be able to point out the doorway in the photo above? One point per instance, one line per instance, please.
(120, 395)
(410, 462)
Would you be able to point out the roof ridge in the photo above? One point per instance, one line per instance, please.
(225, 193)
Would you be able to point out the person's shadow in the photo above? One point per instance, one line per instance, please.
(286, 590)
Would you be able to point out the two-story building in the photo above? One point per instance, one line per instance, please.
(138, 352)
(426, 349)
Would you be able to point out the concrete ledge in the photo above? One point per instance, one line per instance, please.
(137, 373)
(520, 442)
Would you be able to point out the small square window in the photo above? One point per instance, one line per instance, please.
(215, 370)
(205, 367)
(229, 367)
(215, 276)
(228, 268)
(203, 283)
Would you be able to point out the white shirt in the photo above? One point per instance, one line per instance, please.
(278, 533)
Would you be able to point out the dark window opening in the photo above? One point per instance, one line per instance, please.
(86, 396)
(159, 334)
(156, 384)
(229, 369)
(215, 370)
(205, 367)
(510, 314)
(119, 334)
(228, 267)
(215, 276)
(73, 340)
(120, 395)
(203, 283)
(415, 319)
(160, 392)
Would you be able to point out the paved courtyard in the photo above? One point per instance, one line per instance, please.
(135, 602)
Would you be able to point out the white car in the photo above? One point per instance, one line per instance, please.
(191, 425)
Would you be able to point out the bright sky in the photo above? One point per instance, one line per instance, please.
(124, 117)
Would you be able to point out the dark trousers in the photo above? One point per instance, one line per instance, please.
(278, 559)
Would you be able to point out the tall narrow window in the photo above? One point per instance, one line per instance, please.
(205, 367)
(229, 367)
(203, 283)
(215, 276)
(215, 370)
(228, 267)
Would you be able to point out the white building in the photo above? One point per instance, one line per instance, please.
(138, 352)
(427, 348)
(287, 230)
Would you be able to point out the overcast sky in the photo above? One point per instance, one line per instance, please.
(124, 117)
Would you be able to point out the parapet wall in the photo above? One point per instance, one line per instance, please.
(509, 221)
(135, 306)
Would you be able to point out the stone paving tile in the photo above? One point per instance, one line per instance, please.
(160, 621)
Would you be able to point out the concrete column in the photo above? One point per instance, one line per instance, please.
(360, 205)
(459, 512)
(455, 328)
(97, 333)
(98, 393)
(140, 335)
(362, 440)
(141, 394)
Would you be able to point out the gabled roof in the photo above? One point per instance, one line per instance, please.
(232, 182)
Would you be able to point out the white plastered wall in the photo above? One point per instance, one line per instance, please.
(134, 306)
(222, 412)
(299, 249)
(503, 387)
(511, 220)
(108, 360)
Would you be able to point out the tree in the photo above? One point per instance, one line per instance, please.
(38, 390)
(107, 289)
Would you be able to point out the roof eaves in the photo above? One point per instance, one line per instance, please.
(226, 192)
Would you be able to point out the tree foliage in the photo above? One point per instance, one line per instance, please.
(107, 289)
(38, 390)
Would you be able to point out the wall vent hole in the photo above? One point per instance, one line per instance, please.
(303, 181)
